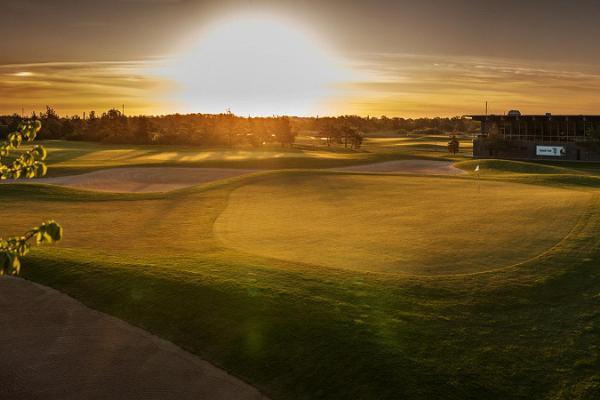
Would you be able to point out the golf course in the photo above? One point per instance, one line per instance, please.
(390, 272)
(299, 200)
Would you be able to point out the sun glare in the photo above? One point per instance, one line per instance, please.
(255, 66)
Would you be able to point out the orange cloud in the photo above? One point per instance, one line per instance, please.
(72, 88)
(406, 85)
(390, 84)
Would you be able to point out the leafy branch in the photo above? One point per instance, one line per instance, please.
(15, 247)
(29, 164)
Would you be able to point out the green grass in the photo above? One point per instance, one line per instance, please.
(496, 167)
(556, 174)
(280, 314)
(68, 158)
(397, 224)
(431, 144)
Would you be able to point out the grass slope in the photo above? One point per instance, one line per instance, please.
(67, 158)
(431, 144)
(557, 174)
(496, 167)
(302, 332)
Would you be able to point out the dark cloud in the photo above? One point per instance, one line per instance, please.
(153, 1)
(131, 29)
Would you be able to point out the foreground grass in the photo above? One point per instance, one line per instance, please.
(299, 331)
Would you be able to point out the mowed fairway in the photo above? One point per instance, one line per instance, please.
(409, 225)
(68, 158)
(390, 224)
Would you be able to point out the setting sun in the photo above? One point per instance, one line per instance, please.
(255, 65)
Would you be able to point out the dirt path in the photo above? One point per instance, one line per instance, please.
(142, 180)
(53, 347)
(425, 167)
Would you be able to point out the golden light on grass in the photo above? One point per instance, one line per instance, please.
(257, 65)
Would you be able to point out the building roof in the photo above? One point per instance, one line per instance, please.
(532, 117)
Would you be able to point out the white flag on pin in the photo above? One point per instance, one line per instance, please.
(477, 168)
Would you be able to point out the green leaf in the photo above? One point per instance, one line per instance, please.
(41, 168)
(15, 265)
(40, 151)
(54, 230)
(37, 125)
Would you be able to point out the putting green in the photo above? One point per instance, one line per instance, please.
(423, 226)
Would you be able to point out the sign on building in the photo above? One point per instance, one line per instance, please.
(550, 151)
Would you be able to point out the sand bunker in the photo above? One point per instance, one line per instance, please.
(164, 179)
(425, 167)
(142, 180)
(53, 347)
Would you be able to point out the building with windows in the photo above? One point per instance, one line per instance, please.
(546, 137)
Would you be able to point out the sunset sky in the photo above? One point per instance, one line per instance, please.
(399, 58)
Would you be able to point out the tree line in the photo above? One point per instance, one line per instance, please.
(225, 129)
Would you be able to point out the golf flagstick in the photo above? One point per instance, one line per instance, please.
(478, 198)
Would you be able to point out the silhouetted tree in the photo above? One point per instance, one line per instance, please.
(284, 132)
(453, 145)
(227, 129)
